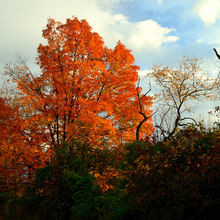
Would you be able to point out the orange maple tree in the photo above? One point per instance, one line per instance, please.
(20, 154)
(85, 90)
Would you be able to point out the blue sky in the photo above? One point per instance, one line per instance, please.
(157, 31)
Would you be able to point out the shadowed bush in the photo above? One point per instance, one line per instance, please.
(176, 179)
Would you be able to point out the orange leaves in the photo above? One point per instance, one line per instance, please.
(86, 82)
(85, 92)
(106, 179)
(19, 147)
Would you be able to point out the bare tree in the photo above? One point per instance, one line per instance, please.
(178, 88)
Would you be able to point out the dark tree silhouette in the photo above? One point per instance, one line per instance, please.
(216, 53)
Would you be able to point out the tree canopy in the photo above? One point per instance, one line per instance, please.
(85, 92)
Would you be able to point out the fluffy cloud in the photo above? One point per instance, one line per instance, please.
(22, 23)
(208, 10)
(149, 34)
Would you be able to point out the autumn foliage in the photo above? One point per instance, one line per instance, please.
(179, 89)
(176, 179)
(20, 154)
(85, 92)
(76, 138)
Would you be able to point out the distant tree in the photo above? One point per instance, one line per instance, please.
(178, 88)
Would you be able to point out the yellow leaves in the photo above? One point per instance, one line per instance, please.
(178, 86)
(142, 166)
(104, 179)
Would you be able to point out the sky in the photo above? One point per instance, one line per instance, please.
(157, 31)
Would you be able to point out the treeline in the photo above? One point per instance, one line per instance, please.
(176, 179)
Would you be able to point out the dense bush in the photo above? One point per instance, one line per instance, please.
(176, 179)
(62, 189)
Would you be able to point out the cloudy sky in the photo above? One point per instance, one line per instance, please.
(157, 31)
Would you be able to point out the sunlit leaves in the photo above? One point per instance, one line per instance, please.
(84, 92)
(85, 89)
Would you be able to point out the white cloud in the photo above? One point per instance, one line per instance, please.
(149, 34)
(23, 21)
(208, 10)
(159, 2)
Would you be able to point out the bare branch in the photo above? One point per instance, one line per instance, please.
(179, 86)
(216, 53)
(145, 117)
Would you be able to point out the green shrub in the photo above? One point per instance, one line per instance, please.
(175, 179)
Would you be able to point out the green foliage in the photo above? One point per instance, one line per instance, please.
(7, 200)
(61, 190)
(176, 179)
(68, 190)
